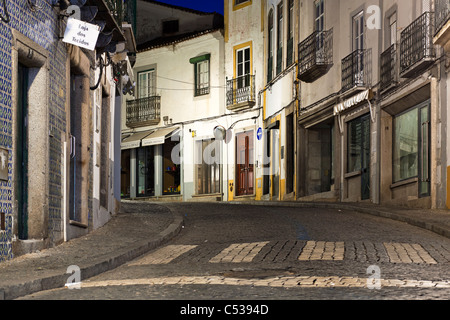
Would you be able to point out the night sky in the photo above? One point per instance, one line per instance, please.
(201, 5)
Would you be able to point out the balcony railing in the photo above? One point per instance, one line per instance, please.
(416, 46)
(241, 92)
(389, 71)
(357, 70)
(123, 11)
(442, 15)
(144, 112)
(315, 55)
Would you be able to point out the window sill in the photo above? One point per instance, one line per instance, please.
(352, 174)
(404, 182)
(78, 224)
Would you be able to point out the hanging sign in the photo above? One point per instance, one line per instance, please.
(81, 34)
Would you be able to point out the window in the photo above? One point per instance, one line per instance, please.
(238, 4)
(208, 169)
(319, 19)
(243, 65)
(280, 37)
(290, 33)
(358, 31)
(412, 147)
(171, 26)
(393, 29)
(146, 84)
(201, 72)
(202, 78)
(270, 48)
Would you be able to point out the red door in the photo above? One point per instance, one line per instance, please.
(244, 164)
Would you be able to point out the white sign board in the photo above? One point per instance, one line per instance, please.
(81, 34)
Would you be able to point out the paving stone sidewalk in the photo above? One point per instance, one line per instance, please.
(137, 229)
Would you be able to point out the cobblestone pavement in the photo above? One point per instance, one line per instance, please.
(258, 253)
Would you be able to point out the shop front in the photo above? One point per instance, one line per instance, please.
(151, 164)
(356, 118)
(318, 147)
(406, 146)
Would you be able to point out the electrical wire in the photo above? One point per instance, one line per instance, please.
(190, 83)
(6, 18)
(100, 76)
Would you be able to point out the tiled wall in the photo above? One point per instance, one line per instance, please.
(44, 27)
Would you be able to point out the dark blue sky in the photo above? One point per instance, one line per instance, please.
(202, 5)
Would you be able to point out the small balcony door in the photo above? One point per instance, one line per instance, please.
(243, 65)
(147, 84)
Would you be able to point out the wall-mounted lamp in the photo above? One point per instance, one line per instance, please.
(220, 133)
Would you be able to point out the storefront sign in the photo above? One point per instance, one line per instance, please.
(81, 34)
(353, 101)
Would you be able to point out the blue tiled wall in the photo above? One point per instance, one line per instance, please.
(43, 26)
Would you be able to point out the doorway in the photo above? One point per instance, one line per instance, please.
(22, 152)
(359, 152)
(145, 166)
(244, 164)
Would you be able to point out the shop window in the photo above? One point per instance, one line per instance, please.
(145, 168)
(358, 147)
(171, 174)
(125, 174)
(208, 170)
(412, 147)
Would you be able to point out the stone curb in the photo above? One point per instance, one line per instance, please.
(115, 260)
(421, 223)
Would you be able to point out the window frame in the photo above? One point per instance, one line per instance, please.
(319, 15)
(197, 62)
(270, 43)
(280, 36)
(212, 181)
(358, 36)
(239, 4)
(150, 90)
(420, 143)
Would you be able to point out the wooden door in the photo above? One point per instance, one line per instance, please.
(244, 164)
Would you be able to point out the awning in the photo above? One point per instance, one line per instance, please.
(159, 137)
(134, 141)
(366, 95)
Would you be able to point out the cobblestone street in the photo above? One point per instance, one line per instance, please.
(259, 253)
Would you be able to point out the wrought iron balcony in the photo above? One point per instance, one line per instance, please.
(144, 112)
(123, 11)
(389, 73)
(315, 55)
(241, 93)
(357, 70)
(416, 46)
(442, 15)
